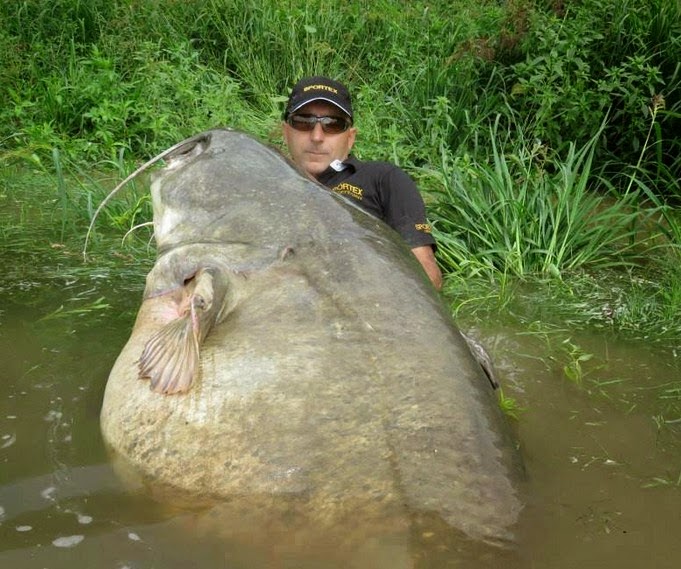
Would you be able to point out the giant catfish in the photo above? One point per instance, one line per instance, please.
(290, 346)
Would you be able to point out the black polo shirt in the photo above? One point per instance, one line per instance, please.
(386, 192)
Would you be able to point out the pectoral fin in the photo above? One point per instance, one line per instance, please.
(171, 357)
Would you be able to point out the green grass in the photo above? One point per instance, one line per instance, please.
(637, 304)
(525, 213)
(509, 405)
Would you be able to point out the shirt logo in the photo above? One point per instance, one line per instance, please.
(424, 227)
(349, 190)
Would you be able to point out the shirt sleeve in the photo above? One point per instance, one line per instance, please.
(404, 209)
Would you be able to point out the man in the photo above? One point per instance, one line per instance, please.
(318, 131)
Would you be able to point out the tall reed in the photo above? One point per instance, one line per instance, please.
(525, 213)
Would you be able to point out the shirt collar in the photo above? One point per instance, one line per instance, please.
(350, 164)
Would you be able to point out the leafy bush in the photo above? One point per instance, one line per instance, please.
(598, 59)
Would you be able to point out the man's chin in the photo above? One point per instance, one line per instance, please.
(315, 168)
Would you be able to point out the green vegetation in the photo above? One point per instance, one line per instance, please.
(535, 221)
(544, 133)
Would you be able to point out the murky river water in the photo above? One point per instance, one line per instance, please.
(603, 457)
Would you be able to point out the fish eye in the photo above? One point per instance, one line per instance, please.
(188, 150)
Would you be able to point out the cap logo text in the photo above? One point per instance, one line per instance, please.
(320, 88)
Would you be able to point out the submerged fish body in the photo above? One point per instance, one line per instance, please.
(329, 372)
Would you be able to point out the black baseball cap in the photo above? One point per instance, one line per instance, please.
(319, 88)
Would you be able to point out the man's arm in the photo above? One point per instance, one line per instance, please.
(426, 257)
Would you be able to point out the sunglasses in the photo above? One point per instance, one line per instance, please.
(330, 124)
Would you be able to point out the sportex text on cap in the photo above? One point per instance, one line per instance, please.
(319, 89)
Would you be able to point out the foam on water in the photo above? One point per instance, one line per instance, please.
(68, 541)
(82, 519)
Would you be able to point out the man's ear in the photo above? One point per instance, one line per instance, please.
(352, 132)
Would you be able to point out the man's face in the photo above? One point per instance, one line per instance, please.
(314, 150)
